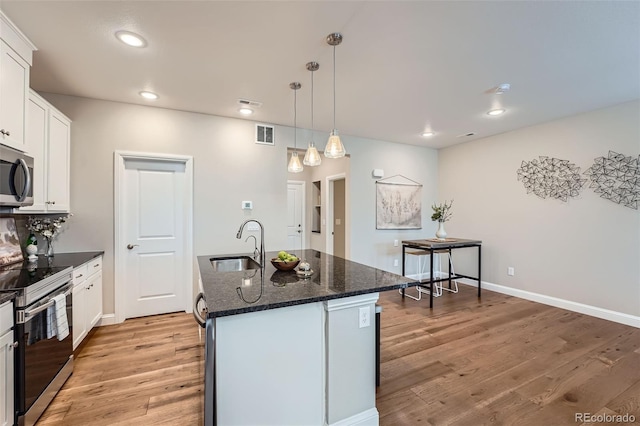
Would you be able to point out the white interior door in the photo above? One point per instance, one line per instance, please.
(295, 215)
(154, 236)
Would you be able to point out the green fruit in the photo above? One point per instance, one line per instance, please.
(283, 255)
(292, 259)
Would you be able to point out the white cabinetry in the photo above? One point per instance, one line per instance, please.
(6, 364)
(15, 61)
(87, 298)
(49, 142)
(315, 365)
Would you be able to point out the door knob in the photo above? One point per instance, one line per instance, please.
(131, 246)
(299, 231)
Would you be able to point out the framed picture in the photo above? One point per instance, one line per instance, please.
(398, 204)
(10, 251)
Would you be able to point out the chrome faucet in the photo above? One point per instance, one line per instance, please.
(239, 235)
(256, 252)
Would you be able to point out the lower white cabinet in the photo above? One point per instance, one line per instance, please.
(6, 364)
(87, 298)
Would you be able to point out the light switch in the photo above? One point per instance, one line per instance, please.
(338, 221)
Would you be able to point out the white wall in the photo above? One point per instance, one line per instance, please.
(375, 247)
(586, 250)
(228, 168)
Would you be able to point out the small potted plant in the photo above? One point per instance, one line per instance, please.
(441, 214)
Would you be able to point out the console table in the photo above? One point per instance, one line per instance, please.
(434, 245)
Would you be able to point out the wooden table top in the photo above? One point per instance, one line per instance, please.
(435, 243)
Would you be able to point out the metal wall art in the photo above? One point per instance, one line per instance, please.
(616, 178)
(398, 203)
(551, 178)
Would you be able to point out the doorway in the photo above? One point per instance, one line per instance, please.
(153, 234)
(295, 215)
(336, 243)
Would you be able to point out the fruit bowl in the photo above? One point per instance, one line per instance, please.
(281, 265)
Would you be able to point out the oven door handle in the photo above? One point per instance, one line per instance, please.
(32, 312)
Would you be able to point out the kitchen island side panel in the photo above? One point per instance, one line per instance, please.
(270, 367)
(351, 386)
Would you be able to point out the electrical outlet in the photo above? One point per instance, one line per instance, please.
(395, 262)
(510, 271)
(395, 243)
(365, 317)
(252, 226)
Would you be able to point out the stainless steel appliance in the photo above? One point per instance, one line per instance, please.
(16, 183)
(43, 363)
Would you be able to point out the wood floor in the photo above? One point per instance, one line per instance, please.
(501, 361)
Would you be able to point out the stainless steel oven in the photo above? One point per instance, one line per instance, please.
(16, 183)
(43, 361)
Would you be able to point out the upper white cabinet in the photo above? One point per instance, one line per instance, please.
(15, 60)
(49, 142)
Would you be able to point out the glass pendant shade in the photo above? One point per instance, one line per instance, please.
(334, 148)
(312, 156)
(294, 163)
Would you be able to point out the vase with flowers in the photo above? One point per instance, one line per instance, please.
(48, 228)
(441, 214)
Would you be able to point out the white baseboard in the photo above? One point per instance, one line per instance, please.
(107, 319)
(593, 311)
(369, 417)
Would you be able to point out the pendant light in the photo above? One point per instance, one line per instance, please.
(312, 157)
(294, 163)
(334, 148)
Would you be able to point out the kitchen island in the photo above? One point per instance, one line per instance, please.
(285, 349)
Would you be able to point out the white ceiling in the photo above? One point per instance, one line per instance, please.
(402, 67)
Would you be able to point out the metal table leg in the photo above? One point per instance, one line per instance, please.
(431, 278)
(479, 269)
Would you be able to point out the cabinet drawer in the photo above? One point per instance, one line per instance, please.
(94, 265)
(80, 274)
(6, 317)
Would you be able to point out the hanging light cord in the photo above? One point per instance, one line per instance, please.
(295, 117)
(334, 87)
(311, 106)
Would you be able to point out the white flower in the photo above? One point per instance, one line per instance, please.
(47, 234)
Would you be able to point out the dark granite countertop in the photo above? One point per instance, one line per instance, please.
(69, 259)
(230, 293)
(7, 296)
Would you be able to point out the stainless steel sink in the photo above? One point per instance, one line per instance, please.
(233, 264)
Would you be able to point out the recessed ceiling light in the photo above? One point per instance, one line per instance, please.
(149, 95)
(245, 111)
(131, 39)
(496, 111)
(428, 134)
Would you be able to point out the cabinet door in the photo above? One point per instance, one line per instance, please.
(36, 138)
(94, 302)
(6, 379)
(79, 313)
(14, 92)
(58, 163)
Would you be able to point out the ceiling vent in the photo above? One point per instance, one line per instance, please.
(248, 103)
(465, 135)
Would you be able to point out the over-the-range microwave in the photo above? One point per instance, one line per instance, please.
(16, 173)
